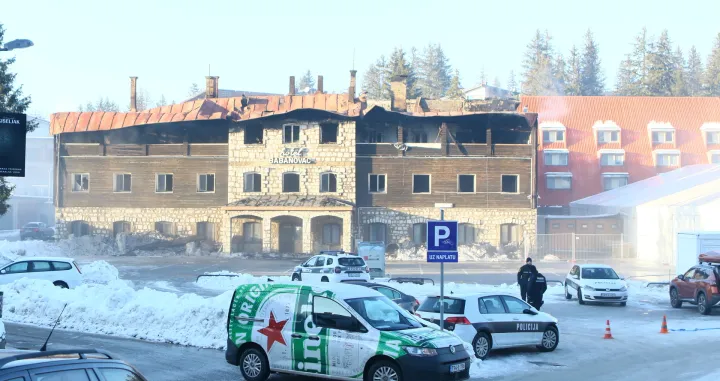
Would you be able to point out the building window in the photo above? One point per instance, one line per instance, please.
(377, 184)
(165, 228)
(608, 136)
(328, 182)
(291, 182)
(614, 181)
(328, 133)
(419, 233)
(556, 226)
(715, 158)
(510, 233)
(252, 182)
(291, 133)
(668, 160)
(206, 183)
(163, 182)
(79, 228)
(331, 234)
(252, 232)
(421, 184)
(377, 232)
(509, 183)
(122, 182)
(466, 234)
(254, 134)
(553, 136)
(612, 159)
(555, 158)
(599, 226)
(571, 226)
(81, 182)
(418, 137)
(466, 184)
(121, 227)
(662, 137)
(584, 226)
(205, 230)
(559, 182)
(713, 137)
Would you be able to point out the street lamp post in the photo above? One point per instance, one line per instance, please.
(16, 44)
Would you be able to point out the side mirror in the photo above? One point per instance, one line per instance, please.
(681, 277)
(3, 271)
(528, 311)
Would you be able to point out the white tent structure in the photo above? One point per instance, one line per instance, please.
(655, 209)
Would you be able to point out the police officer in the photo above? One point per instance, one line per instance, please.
(523, 277)
(536, 289)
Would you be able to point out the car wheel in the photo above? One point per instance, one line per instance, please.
(324, 279)
(703, 307)
(675, 301)
(383, 371)
(567, 294)
(61, 284)
(254, 365)
(296, 278)
(550, 340)
(482, 345)
(580, 299)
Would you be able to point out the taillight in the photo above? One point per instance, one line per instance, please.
(713, 290)
(36, 230)
(417, 302)
(457, 320)
(337, 270)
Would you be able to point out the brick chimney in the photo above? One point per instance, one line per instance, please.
(320, 84)
(292, 85)
(351, 90)
(211, 87)
(398, 96)
(133, 94)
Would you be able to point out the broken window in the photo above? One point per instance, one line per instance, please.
(377, 184)
(206, 183)
(509, 183)
(328, 133)
(122, 183)
(291, 133)
(163, 182)
(331, 234)
(421, 184)
(466, 184)
(81, 182)
(254, 134)
(291, 182)
(165, 228)
(252, 182)
(471, 135)
(328, 182)
(418, 137)
(374, 136)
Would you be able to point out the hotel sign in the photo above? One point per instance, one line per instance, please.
(293, 156)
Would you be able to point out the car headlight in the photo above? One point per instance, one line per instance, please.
(623, 288)
(420, 352)
(588, 288)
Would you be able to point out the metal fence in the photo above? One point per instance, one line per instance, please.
(578, 247)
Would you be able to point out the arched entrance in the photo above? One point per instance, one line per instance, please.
(288, 230)
(327, 233)
(247, 234)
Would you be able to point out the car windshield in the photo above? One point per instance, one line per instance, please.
(452, 306)
(32, 225)
(351, 261)
(382, 313)
(599, 273)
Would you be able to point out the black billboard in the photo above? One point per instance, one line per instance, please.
(13, 128)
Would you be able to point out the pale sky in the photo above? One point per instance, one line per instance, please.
(85, 49)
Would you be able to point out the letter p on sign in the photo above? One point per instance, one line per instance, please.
(442, 235)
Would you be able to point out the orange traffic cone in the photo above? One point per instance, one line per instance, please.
(664, 329)
(608, 334)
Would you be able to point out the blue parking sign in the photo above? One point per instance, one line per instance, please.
(442, 235)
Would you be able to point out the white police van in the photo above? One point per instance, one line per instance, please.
(493, 321)
(332, 266)
(342, 332)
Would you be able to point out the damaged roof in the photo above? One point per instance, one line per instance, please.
(280, 201)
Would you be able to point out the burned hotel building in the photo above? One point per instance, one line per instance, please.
(298, 173)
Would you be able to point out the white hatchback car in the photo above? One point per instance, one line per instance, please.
(332, 267)
(596, 283)
(493, 321)
(63, 272)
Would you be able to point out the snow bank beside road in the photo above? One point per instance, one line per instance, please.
(230, 281)
(99, 272)
(75, 247)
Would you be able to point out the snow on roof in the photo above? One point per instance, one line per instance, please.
(55, 259)
(556, 150)
(667, 151)
(552, 125)
(660, 126)
(615, 174)
(607, 125)
(710, 126)
(656, 187)
(558, 174)
(611, 151)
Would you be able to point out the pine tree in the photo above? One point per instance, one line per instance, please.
(661, 64)
(162, 101)
(633, 73)
(455, 90)
(415, 64)
(399, 65)
(512, 84)
(573, 73)
(375, 80)
(433, 73)
(11, 100)
(496, 82)
(712, 71)
(538, 76)
(679, 88)
(143, 99)
(559, 75)
(483, 78)
(194, 90)
(592, 80)
(307, 82)
(694, 73)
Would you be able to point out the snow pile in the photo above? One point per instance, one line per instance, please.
(9, 234)
(117, 309)
(226, 280)
(99, 272)
(552, 258)
(73, 247)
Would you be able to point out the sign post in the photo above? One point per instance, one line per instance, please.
(442, 247)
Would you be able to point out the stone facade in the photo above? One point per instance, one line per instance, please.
(337, 158)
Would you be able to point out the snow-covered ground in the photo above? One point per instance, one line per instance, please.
(9, 235)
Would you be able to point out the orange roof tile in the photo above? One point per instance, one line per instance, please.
(632, 114)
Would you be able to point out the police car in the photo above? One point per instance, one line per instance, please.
(595, 283)
(332, 266)
(493, 321)
(340, 331)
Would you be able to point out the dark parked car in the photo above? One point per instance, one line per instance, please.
(67, 364)
(407, 302)
(36, 230)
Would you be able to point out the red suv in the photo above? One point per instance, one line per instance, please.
(699, 285)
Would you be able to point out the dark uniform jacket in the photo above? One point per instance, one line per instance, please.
(526, 271)
(536, 288)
